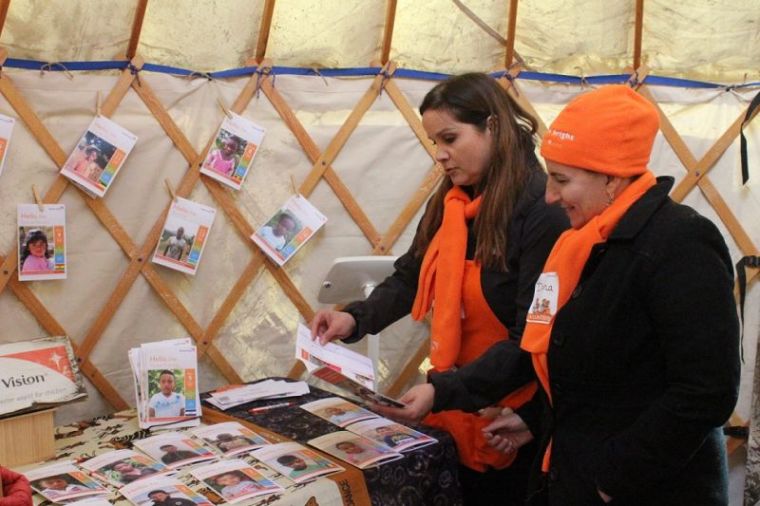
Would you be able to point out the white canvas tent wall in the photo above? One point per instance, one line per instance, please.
(241, 310)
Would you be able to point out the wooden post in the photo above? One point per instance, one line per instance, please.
(638, 33)
(137, 23)
(390, 19)
(512, 26)
(264, 27)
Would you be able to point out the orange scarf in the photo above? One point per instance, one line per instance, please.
(446, 252)
(564, 266)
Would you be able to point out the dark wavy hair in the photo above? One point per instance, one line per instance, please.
(477, 99)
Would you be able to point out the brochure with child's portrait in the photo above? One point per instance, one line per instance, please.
(235, 480)
(392, 434)
(174, 449)
(355, 449)
(41, 242)
(184, 235)
(338, 411)
(230, 438)
(169, 375)
(99, 155)
(290, 227)
(162, 490)
(295, 461)
(63, 481)
(6, 129)
(122, 467)
(231, 155)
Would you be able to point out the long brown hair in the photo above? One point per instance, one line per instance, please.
(478, 100)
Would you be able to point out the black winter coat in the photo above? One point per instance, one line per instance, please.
(643, 365)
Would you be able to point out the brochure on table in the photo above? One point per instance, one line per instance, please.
(184, 235)
(338, 411)
(38, 374)
(341, 367)
(230, 438)
(295, 461)
(391, 434)
(235, 480)
(355, 449)
(289, 229)
(41, 242)
(236, 143)
(99, 155)
(122, 467)
(162, 490)
(229, 397)
(174, 449)
(62, 481)
(6, 129)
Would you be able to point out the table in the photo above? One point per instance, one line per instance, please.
(426, 476)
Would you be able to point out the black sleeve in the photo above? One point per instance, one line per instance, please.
(389, 301)
(690, 297)
(542, 226)
(504, 367)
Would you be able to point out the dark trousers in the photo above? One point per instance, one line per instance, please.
(498, 487)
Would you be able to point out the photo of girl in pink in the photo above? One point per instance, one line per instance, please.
(224, 158)
(35, 252)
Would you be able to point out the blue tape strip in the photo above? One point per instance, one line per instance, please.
(360, 72)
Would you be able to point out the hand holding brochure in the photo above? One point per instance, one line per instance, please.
(341, 367)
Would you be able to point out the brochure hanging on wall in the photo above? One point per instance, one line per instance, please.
(230, 158)
(6, 129)
(184, 235)
(99, 155)
(295, 223)
(41, 242)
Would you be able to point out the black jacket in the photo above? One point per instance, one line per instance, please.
(533, 228)
(643, 365)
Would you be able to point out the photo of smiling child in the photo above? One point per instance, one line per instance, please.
(295, 461)
(231, 156)
(41, 242)
(184, 236)
(99, 155)
(235, 480)
(62, 481)
(355, 449)
(284, 233)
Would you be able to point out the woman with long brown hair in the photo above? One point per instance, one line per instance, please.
(476, 255)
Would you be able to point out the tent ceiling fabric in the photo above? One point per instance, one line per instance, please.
(717, 40)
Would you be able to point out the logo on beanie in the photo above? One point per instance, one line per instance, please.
(560, 135)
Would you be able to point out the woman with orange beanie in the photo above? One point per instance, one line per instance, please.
(632, 332)
(477, 252)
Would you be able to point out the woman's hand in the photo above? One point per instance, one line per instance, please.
(328, 325)
(507, 432)
(418, 400)
(604, 496)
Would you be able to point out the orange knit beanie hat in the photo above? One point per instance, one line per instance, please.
(609, 130)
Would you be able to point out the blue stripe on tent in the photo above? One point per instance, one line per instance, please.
(358, 72)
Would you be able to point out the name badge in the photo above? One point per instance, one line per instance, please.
(544, 305)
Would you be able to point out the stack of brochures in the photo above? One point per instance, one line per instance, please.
(165, 375)
(269, 389)
(341, 367)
